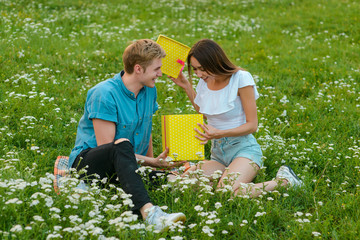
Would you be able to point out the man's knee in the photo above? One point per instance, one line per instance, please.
(121, 140)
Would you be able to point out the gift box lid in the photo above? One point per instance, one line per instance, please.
(176, 54)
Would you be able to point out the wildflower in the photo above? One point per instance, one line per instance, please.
(38, 218)
(14, 200)
(192, 225)
(16, 228)
(218, 205)
(298, 214)
(177, 238)
(258, 214)
(316, 234)
(208, 231)
(198, 208)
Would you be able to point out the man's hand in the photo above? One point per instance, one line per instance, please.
(162, 161)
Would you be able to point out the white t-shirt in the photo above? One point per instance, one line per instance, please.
(223, 108)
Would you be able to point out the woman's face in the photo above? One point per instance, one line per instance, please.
(199, 70)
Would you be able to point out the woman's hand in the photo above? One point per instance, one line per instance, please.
(181, 81)
(209, 133)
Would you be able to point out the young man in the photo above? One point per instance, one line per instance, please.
(115, 129)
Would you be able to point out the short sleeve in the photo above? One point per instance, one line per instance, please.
(245, 79)
(156, 105)
(101, 105)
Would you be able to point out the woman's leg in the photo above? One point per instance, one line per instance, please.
(208, 167)
(247, 171)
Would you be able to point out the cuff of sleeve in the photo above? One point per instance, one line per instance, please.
(102, 116)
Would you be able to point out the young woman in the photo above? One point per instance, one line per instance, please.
(226, 95)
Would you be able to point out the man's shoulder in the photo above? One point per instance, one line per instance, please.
(108, 85)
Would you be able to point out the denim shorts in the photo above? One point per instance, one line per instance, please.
(225, 150)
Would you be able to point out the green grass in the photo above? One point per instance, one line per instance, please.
(303, 54)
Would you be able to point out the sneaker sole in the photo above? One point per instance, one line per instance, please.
(299, 182)
(179, 217)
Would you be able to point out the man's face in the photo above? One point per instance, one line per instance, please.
(152, 72)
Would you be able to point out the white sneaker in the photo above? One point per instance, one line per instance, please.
(160, 220)
(285, 172)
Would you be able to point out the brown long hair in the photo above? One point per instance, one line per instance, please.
(212, 58)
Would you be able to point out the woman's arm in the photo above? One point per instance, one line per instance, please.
(247, 97)
(182, 82)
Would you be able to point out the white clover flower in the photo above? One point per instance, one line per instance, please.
(54, 209)
(55, 216)
(198, 208)
(49, 202)
(38, 218)
(192, 225)
(14, 201)
(75, 219)
(177, 238)
(16, 228)
(298, 214)
(207, 230)
(53, 236)
(259, 214)
(128, 202)
(209, 222)
(218, 205)
(113, 198)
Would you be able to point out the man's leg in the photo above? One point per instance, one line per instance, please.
(115, 160)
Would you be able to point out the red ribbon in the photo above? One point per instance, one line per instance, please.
(182, 63)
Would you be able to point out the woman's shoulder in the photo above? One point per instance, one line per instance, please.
(242, 78)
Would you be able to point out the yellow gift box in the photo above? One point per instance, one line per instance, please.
(176, 54)
(179, 135)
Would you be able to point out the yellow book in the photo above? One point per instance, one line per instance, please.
(179, 135)
(176, 54)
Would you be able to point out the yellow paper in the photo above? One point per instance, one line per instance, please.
(179, 135)
(176, 54)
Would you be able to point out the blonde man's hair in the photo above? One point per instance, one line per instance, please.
(141, 52)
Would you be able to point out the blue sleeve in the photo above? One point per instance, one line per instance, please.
(101, 105)
(156, 105)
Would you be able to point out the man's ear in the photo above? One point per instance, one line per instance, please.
(138, 69)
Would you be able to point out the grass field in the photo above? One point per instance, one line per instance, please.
(304, 56)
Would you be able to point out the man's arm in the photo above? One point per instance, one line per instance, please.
(104, 131)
